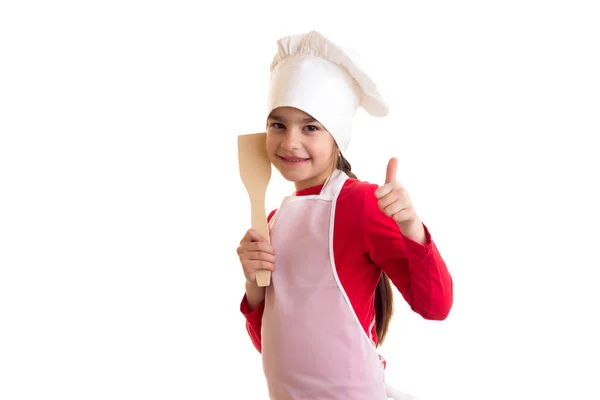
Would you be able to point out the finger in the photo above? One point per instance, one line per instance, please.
(257, 237)
(255, 265)
(395, 208)
(390, 192)
(390, 198)
(264, 247)
(257, 256)
(247, 236)
(383, 190)
(256, 247)
(250, 252)
(253, 236)
(406, 214)
(392, 167)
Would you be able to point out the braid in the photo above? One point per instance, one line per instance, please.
(345, 166)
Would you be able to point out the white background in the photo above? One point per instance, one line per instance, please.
(122, 206)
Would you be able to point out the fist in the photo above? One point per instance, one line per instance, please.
(394, 200)
(255, 253)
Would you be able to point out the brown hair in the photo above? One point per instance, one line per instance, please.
(384, 297)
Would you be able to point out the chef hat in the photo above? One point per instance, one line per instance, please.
(315, 75)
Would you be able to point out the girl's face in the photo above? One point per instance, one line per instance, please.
(299, 147)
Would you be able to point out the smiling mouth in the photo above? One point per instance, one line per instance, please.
(293, 160)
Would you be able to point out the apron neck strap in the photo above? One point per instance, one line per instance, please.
(333, 184)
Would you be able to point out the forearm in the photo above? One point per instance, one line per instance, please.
(254, 294)
(415, 231)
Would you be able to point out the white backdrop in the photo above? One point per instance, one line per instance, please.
(122, 207)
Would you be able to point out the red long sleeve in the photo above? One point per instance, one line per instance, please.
(366, 241)
(253, 321)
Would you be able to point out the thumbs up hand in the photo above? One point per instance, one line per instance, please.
(395, 202)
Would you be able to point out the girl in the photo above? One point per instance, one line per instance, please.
(337, 243)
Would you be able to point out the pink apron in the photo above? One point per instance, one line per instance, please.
(313, 345)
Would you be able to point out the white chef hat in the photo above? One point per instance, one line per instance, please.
(315, 75)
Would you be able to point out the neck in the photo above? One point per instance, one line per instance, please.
(315, 181)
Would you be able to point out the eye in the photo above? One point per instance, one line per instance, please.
(277, 125)
(311, 128)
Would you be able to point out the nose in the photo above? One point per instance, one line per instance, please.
(291, 139)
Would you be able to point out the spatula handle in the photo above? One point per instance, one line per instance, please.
(260, 224)
(263, 277)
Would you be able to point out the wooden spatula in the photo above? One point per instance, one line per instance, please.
(255, 171)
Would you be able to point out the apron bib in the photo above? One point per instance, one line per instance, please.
(313, 345)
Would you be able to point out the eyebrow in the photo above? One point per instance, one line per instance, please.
(281, 119)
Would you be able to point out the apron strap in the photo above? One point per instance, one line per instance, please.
(333, 184)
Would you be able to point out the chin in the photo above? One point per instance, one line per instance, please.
(293, 177)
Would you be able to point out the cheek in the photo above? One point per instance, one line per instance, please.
(271, 147)
(324, 150)
(325, 156)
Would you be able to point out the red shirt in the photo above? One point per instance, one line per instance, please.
(366, 241)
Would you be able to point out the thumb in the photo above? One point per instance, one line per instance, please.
(253, 236)
(392, 167)
(256, 237)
